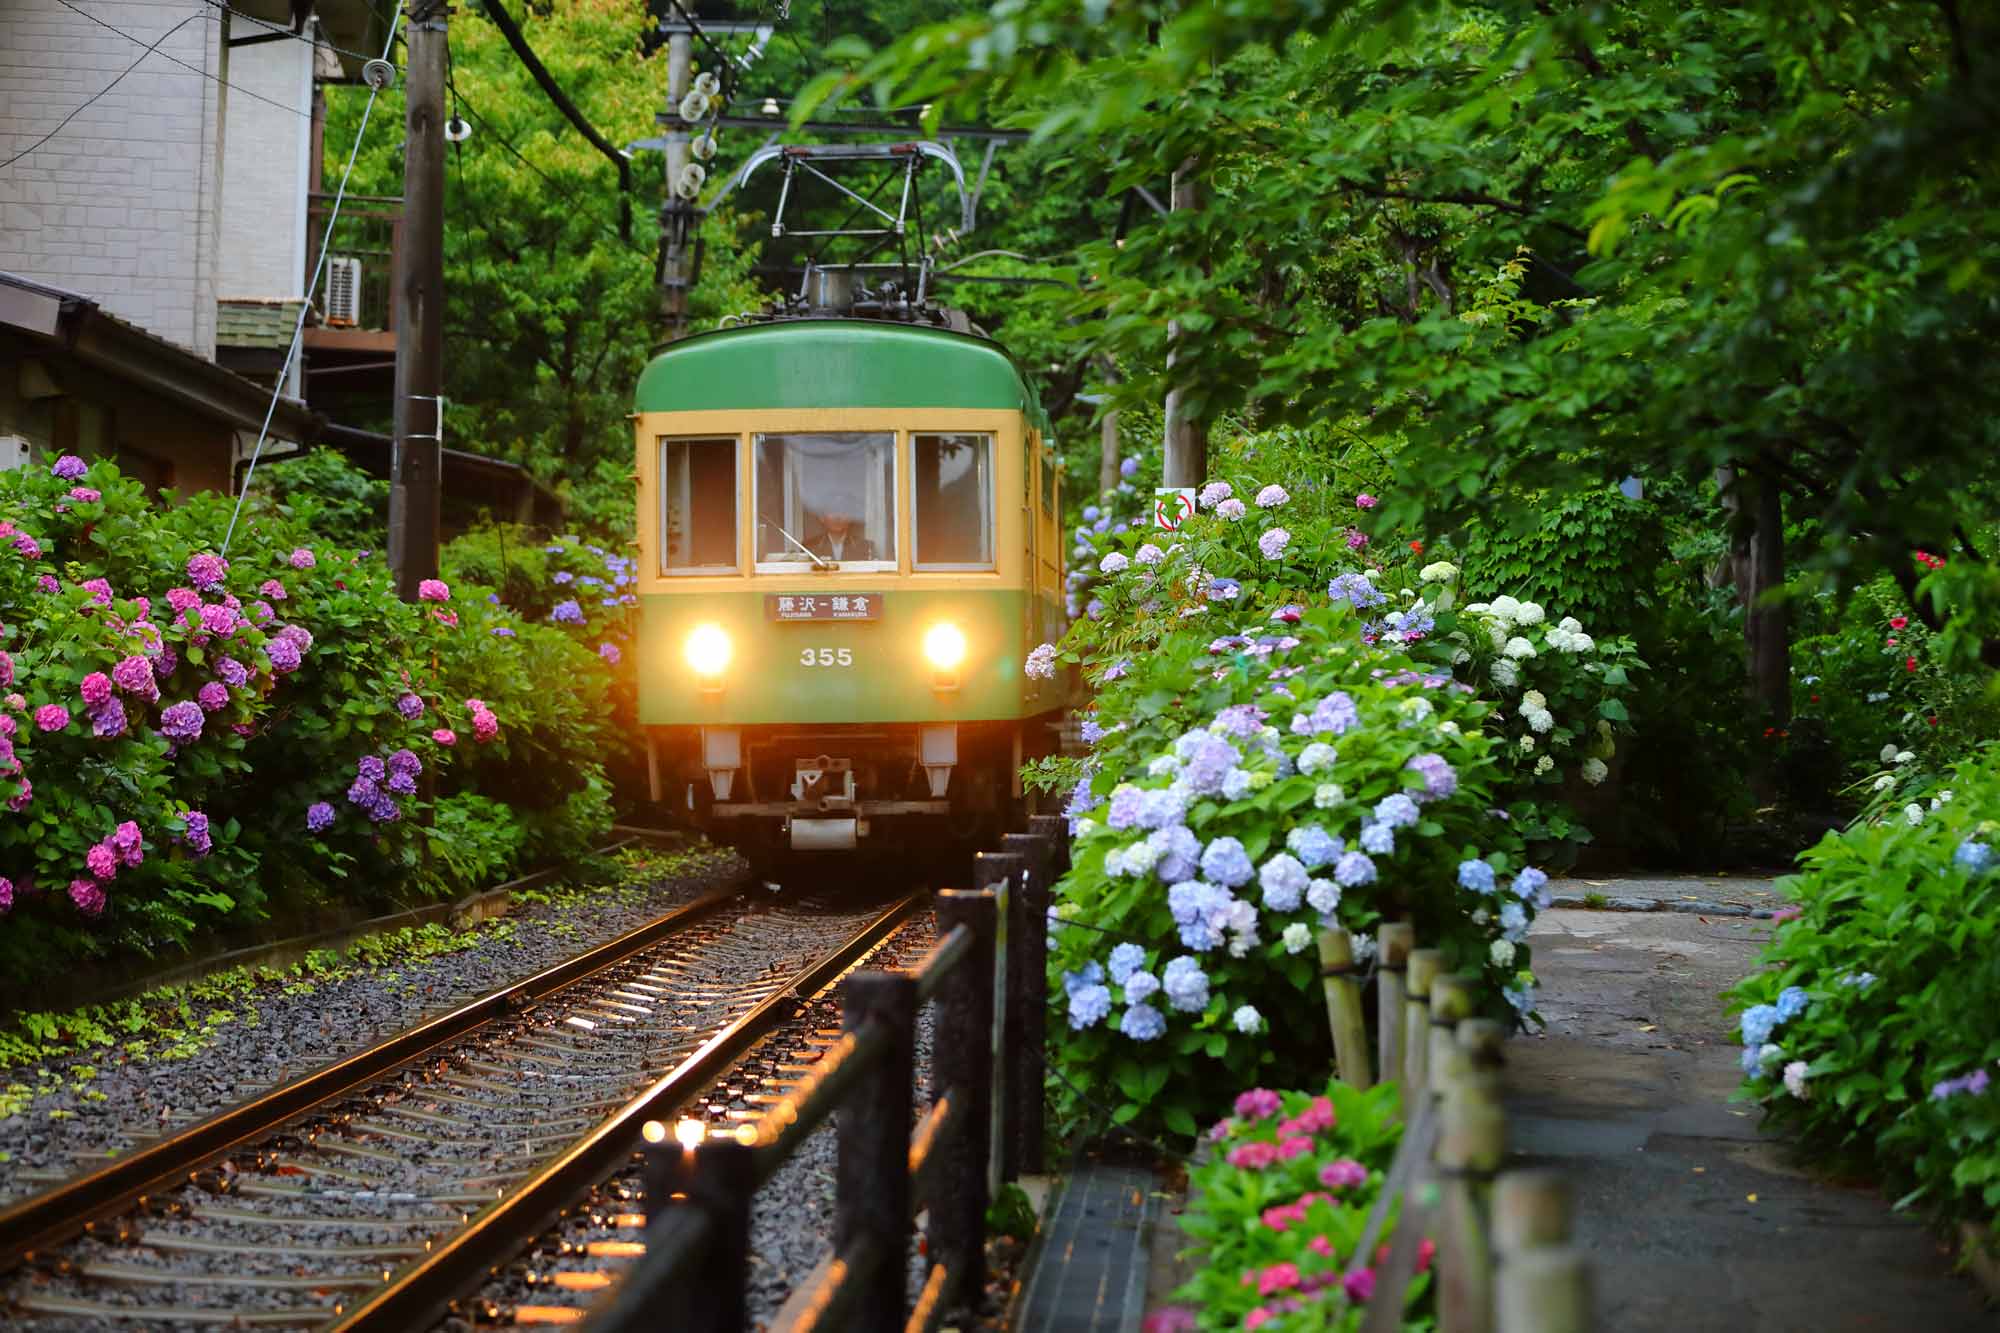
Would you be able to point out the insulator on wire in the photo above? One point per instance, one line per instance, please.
(707, 84)
(703, 147)
(694, 106)
(688, 184)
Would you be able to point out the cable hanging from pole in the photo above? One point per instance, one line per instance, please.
(377, 73)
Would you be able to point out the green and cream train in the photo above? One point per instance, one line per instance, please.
(850, 539)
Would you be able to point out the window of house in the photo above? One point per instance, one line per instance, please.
(951, 477)
(826, 497)
(698, 506)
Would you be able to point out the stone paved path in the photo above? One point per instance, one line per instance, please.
(1695, 1220)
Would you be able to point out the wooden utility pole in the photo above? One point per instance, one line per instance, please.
(417, 464)
(677, 216)
(1107, 440)
(1187, 437)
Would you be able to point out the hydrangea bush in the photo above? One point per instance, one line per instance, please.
(1868, 1031)
(1278, 1209)
(187, 736)
(1261, 786)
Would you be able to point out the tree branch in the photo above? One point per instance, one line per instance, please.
(1467, 198)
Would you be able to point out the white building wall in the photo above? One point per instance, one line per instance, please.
(266, 161)
(123, 203)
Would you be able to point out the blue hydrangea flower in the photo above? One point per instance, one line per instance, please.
(1323, 895)
(1475, 875)
(1186, 985)
(1128, 467)
(1092, 973)
(1226, 863)
(1180, 854)
(1140, 987)
(1397, 811)
(1378, 838)
(1091, 513)
(1092, 732)
(1284, 881)
(1236, 785)
(1533, 884)
(1223, 590)
(1335, 713)
(1791, 1003)
(1313, 845)
(1162, 808)
(1142, 1022)
(1353, 869)
(1974, 858)
(1514, 922)
(1759, 1021)
(1126, 806)
(1359, 592)
(1125, 960)
(1088, 1006)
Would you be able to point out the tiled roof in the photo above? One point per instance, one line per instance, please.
(256, 323)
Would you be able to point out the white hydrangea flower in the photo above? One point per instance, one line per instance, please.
(1316, 758)
(1526, 743)
(1913, 813)
(1544, 764)
(1327, 795)
(1479, 608)
(1533, 701)
(1505, 674)
(1593, 771)
(1505, 607)
(1297, 936)
(1085, 827)
(1460, 657)
(1496, 630)
(1945, 796)
(1888, 751)
(1581, 643)
(1530, 613)
(1518, 648)
(1416, 707)
(1904, 756)
(1502, 953)
(1541, 719)
(1440, 571)
(1448, 727)
(1795, 1080)
(1886, 781)
(1249, 1021)
(1569, 624)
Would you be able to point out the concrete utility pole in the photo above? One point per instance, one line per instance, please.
(677, 215)
(418, 461)
(1107, 440)
(1187, 438)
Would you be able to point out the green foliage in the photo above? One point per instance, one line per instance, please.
(1278, 1210)
(1895, 957)
(324, 492)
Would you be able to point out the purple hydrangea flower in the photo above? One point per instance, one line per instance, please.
(609, 652)
(401, 783)
(405, 761)
(302, 558)
(1359, 592)
(1223, 590)
(206, 571)
(220, 620)
(1240, 720)
(196, 834)
(410, 706)
(298, 636)
(70, 468)
(213, 697)
(363, 792)
(567, 613)
(231, 672)
(1439, 779)
(319, 817)
(107, 720)
(371, 767)
(181, 722)
(284, 655)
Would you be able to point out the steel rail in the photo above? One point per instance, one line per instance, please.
(62, 1212)
(423, 1292)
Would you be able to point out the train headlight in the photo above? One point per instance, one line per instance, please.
(944, 646)
(708, 650)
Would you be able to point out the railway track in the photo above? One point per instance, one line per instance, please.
(377, 1190)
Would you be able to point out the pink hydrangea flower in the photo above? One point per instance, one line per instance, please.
(84, 495)
(183, 599)
(1365, 501)
(1258, 1104)
(6, 669)
(89, 899)
(302, 558)
(433, 590)
(134, 675)
(1257, 1318)
(445, 736)
(1253, 1156)
(131, 845)
(1294, 1147)
(1278, 1277)
(1321, 1246)
(49, 584)
(1426, 1251)
(23, 798)
(99, 590)
(102, 861)
(95, 689)
(51, 717)
(1356, 539)
(1359, 1285)
(6, 895)
(1342, 1174)
(272, 589)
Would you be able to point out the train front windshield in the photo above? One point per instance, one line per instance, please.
(824, 497)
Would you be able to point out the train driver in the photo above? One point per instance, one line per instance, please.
(841, 537)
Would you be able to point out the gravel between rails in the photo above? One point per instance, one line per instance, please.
(275, 1035)
(792, 1218)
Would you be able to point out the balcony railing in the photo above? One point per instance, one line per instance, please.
(370, 229)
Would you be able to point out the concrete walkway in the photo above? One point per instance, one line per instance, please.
(1694, 1220)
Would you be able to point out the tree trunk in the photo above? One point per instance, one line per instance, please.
(1757, 567)
(1107, 459)
(1186, 437)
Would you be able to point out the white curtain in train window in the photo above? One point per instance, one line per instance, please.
(820, 473)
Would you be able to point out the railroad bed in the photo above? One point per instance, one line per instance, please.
(367, 1194)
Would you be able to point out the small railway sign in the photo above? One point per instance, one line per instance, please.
(823, 606)
(1172, 506)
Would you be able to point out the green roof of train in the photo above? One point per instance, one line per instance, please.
(804, 363)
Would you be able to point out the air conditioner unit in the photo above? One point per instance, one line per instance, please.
(343, 292)
(14, 452)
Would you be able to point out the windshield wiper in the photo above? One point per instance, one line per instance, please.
(810, 554)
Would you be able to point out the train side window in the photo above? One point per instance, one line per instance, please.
(953, 481)
(698, 506)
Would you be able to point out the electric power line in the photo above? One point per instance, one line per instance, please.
(100, 92)
(140, 41)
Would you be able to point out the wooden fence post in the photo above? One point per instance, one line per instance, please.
(1343, 1007)
(1424, 965)
(1028, 1005)
(1451, 1001)
(718, 1176)
(1056, 829)
(1002, 873)
(1393, 942)
(872, 1175)
(962, 1067)
(1472, 1139)
(1544, 1284)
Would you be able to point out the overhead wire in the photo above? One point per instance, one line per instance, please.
(100, 92)
(197, 69)
(319, 266)
(318, 43)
